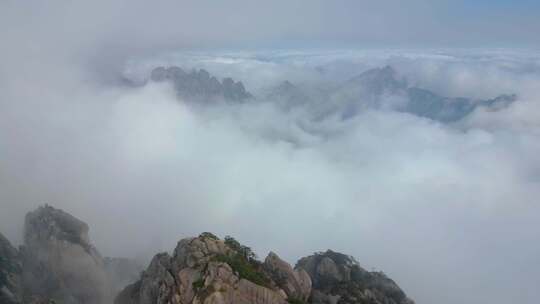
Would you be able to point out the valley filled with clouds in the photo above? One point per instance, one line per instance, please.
(429, 201)
(156, 122)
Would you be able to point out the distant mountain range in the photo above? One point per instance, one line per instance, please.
(374, 89)
(382, 89)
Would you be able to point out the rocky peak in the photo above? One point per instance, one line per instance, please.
(338, 278)
(191, 252)
(383, 88)
(47, 224)
(328, 267)
(59, 262)
(295, 283)
(199, 85)
(206, 270)
(379, 80)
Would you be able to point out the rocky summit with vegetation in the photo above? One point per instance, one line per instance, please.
(338, 278)
(58, 264)
(206, 269)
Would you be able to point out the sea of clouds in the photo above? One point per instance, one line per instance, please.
(450, 211)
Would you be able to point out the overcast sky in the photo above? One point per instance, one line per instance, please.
(450, 212)
(477, 23)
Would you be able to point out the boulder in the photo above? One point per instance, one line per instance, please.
(295, 283)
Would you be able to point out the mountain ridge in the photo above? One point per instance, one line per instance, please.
(383, 89)
(200, 85)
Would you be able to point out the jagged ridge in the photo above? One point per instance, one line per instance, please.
(199, 85)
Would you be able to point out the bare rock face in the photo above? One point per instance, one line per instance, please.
(204, 270)
(59, 262)
(337, 278)
(224, 286)
(154, 286)
(295, 283)
(10, 273)
(199, 85)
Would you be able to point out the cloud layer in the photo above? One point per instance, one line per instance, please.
(449, 211)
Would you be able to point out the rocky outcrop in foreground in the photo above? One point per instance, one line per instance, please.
(338, 278)
(199, 85)
(208, 270)
(59, 264)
